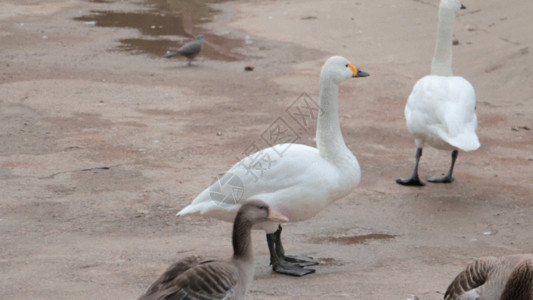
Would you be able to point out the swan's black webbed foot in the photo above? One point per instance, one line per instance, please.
(412, 181)
(290, 269)
(289, 265)
(441, 179)
(448, 178)
(300, 261)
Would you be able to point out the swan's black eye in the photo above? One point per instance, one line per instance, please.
(346, 65)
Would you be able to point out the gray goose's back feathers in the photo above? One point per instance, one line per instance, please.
(209, 279)
(491, 278)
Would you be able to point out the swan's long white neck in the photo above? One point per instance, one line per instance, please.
(442, 58)
(329, 138)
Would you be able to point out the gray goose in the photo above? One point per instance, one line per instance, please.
(195, 278)
(189, 50)
(494, 278)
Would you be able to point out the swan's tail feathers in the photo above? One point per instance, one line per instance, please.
(196, 205)
(189, 209)
(202, 208)
(222, 211)
(465, 141)
(204, 205)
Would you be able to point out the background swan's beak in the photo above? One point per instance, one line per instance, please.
(462, 6)
(361, 74)
(275, 216)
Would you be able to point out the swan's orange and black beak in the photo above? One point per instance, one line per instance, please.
(357, 73)
(276, 216)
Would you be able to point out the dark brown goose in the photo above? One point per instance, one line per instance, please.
(494, 278)
(194, 278)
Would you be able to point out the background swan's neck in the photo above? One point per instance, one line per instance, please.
(442, 58)
(329, 138)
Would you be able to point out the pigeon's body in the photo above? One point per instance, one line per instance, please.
(190, 49)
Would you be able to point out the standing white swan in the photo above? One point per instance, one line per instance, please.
(441, 107)
(297, 180)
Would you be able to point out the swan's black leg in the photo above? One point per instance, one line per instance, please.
(300, 261)
(448, 178)
(278, 262)
(414, 180)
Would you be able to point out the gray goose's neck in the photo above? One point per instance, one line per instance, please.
(242, 240)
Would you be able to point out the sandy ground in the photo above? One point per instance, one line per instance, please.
(99, 149)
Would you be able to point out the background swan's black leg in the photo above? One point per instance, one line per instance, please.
(448, 178)
(414, 180)
(278, 262)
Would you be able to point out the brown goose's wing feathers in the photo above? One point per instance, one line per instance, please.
(472, 277)
(170, 274)
(207, 280)
(520, 283)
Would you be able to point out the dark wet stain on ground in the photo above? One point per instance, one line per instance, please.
(355, 239)
(329, 261)
(161, 22)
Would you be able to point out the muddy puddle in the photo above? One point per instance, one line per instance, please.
(354, 239)
(165, 26)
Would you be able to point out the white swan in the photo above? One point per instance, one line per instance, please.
(297, 180)
(441, 107)
(494, 278)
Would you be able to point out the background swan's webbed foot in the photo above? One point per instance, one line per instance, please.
(290, 269)
(448, 178)
(413, 181)
(441, 179)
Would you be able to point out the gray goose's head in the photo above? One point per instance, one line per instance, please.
(256, 211)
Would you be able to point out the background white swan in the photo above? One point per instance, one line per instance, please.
(297, 180)
(441, 107)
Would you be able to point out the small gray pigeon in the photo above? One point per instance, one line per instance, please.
(189, 50)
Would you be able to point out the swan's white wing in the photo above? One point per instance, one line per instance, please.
(441, 111)
(291, 178)
(460, 115)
